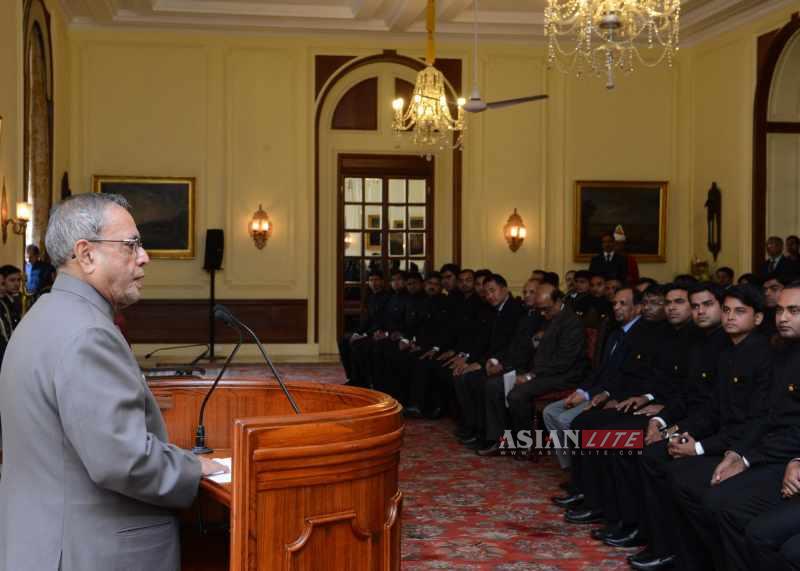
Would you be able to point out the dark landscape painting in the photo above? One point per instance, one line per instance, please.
(640, 207)
(163, 209)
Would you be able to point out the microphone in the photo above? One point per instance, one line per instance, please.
(200, 434)
(151, 353)
(222, 309)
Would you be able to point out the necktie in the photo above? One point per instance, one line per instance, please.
(772, 264)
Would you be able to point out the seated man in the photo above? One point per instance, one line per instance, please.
(385, 340)
(653, 303)
(577, 299)
(773, 285)
(469, 380)
(12, 300)
(354, 346)
(559, 363)
(657, 519)
(754, 489)
(744, 375)
(612, 363)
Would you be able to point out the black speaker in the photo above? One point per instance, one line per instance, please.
(215, 246)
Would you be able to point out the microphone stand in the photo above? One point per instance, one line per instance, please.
(267, 360)
(200, 434)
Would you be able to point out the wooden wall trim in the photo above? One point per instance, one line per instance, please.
(770, 45)
(358, 108)
(451, 68)
(186, 320)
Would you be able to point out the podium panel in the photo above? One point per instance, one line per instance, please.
(309, 492)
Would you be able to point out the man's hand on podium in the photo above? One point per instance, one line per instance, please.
(211, 468)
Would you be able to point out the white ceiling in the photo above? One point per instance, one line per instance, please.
(508, 19)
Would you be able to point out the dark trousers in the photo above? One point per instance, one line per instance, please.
(361, 362)
(346, 355)
(659, 517)
(625, 504)
(379, 357)
(521, 399)
(738, 500)
(774, 537)
(469, 389)
(592, 472)
(699, 543)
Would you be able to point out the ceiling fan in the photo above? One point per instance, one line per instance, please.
(475, 104)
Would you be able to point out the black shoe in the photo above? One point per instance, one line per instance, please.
(644, 555)
(655, 563)
(631, 538)
(412, 412)
(601, 533)
(568, 501)
(435, 414)
(462, 433)
(493, 450)
(584, 516)
(476, 444)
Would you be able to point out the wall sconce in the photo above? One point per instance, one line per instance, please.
(515, 231)
(18, 224)
(260, 228)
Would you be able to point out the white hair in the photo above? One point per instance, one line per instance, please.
(80, 217)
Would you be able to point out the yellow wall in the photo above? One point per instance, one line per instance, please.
(12, 108)
(720, 132)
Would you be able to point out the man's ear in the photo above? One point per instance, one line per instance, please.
(759, 318)
(84, 254)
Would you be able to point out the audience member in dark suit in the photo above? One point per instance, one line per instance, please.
(653, 304)
(576, 300)
(773, 286)
(12, 298)
(776, 263)
(608, 263)
(354, 347)
(595, 308)
(793, 248)
(469, 383)
(741, 401)
(384, 342)
(658, 517)
(559, 363)
(627, 370)
(757, 490)
(724, 277)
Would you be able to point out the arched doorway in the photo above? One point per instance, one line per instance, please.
(776, 145)
(38, 120)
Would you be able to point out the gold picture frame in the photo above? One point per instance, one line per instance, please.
(640, 207)
(163, 208)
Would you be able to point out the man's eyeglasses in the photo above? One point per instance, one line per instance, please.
(133, 244)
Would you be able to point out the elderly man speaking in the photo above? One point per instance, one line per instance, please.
(89, 481)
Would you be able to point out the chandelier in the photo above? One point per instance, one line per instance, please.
(611, 35)
(428, 114)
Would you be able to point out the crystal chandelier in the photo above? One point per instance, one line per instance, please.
(611, 34)
(428, 114)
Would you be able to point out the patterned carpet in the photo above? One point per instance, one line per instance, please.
(466, 513)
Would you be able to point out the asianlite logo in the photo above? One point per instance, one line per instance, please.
(572, 442)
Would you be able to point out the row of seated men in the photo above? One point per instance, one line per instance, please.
(690, 364)
(717, 484)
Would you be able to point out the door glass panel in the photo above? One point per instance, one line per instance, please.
(352, 293)
(397, 190)
(416, 218)
(352, 244)
(397, 217)
(352, 216)
(416, 244)
(374, 190)
(783, 180)
(372, 243)
(373, 218)
(416, 191)
(397, 244)
(352, 190)
(373, 265)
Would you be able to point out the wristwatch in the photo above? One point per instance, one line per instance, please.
(528, 377)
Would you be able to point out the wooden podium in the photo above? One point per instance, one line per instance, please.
(310, 492)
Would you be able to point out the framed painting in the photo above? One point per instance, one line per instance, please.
(163, 209)
(639, 207)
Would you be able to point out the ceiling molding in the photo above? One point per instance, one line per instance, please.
(518, 21)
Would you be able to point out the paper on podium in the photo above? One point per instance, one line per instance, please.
(222, 478)
(509, 380)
